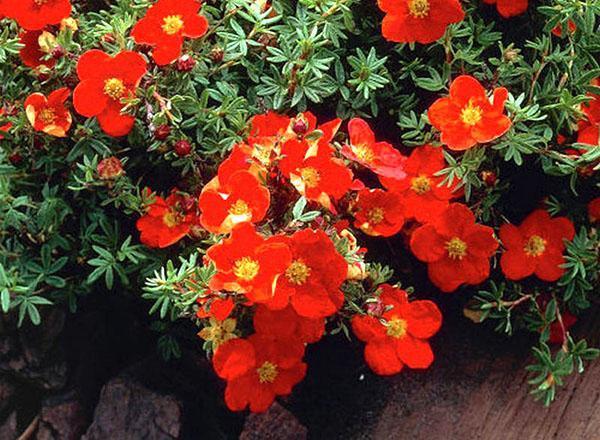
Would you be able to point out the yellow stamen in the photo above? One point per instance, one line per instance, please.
(418, 8)
(376, 215)
(471, 114)
(267, 372)
(535, 246)
(171, 219)
(421, 184)
(310, 176)
(239, 208)
(364, 153)
(172, 24)
(114, 88)
(457, 249)
(297, 272)
(47, 116)
(246, 268)
(396, 328)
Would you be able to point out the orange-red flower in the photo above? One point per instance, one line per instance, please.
(589, 127)
(105, 82)
(455, 248)
(242, 198)
(314, 172)
(287, 324)
(379, 212)
(396, 333)
(215, 306)
(594, 210)
(49, 114)
(166, 24)
(249, 263)
(421, 21)
(4, 127)
(257, 369)
(536, 246)
(509, 8)
(31, 53)
(558, 29)
(467, 117)
(33, 15)
(380, 157)
(423, 196)
(166, 222)
(312, 278)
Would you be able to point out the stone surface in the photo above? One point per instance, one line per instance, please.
(33, 353)
(62, 418)
(275, 424)
(129, 411)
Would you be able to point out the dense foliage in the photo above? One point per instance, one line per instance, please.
(130, 132)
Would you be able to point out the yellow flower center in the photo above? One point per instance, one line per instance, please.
(376, 215)
(457, 249)
(297, 272)
(310, 176)
(172, 24)
(171, 219)
(114, 88)
(239, 208)
(246, 268)
(421, 184)
(267, 372)
(47, 116)
(364, 153)
(396, 328)
(535, 246)
(418, 8)
(471, 114)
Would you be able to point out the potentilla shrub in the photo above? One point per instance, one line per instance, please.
(230, 159)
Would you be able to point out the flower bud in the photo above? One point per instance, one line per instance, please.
(357, 271)
(162, 132)
(216, 54)
(182, 148)
(300, 127)
(69, 23)
(110, 168)
(185, 63)
(15, 159)
(489, 178)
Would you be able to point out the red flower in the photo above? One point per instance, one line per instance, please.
(214, 306)
(379, 157)
(558, 29)
(4, 127)
(509, 8)
(422, 196)
(105, 82)
(248, 263)
(396, 335)
(165, 25)
(456, 249)
(314, 172)
(312, 278)
(379, 213)
(31, 53)
(467, 116)
(110, 168)
(557, 335)
(49, 114)
(33, 15)
(287, 324)
(535, 247)
(594, 210)
(589, 127)
(257, 369)
(242, 198)
(165, 223)
(421, 21)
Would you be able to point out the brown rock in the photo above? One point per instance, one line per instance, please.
(62, 418)
(275, 424)
(129, 411)
(7, 392)
(8, 428)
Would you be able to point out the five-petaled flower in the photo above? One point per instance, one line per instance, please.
(257, 369)
(105, 82)
(166, 221)
(378, 212)
(49, 115)
(31, 53)
(166, 24)
(312, 278)
(421, 21)
(242, 198)
(396, 333)
(287, 324)
(423, 195)
(455, 248)
(380, 157)
(536, 246)
(467, 117)
(509, 8)
(33, 15)
(248, 263)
